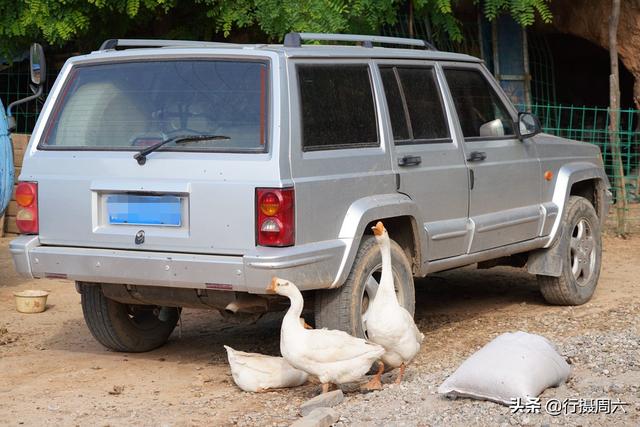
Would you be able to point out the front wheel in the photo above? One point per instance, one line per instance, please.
(582, 256)
(126, 327)
(344, 308)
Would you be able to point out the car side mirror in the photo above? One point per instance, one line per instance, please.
(38, 64)
(528, 125)
(38, 68)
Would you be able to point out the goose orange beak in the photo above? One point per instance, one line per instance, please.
(273, 285)
(378, 229)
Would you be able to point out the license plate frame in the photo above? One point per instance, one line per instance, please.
(163, 210)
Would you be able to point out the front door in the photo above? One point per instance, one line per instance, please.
(505, 174)
(428, 161)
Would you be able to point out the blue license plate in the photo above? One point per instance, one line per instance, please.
(144, 210)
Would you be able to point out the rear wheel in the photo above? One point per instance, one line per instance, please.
(581, 259)
(344, 308)
(126, 327)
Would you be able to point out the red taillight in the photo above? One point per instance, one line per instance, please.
(270, 203)
(275, 208)
(27, 199)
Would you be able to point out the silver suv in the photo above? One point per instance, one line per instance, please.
(169, 174)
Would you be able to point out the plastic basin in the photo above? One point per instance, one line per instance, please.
(31, 301)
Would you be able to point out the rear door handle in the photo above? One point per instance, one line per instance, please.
(477, 156)
(410, 161)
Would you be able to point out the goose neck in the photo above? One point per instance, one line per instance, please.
(386, 277)
(292, 317)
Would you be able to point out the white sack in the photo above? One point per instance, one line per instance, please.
(514, 365)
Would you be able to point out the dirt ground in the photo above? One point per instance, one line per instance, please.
(53, 372)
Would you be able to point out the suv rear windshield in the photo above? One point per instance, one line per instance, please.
(132, 105)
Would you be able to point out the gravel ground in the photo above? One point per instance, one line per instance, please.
(605, 359)
(53, 371)
(610, 360)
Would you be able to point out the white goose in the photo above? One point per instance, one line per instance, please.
(387, 322)
(333, 356)
(258, 372)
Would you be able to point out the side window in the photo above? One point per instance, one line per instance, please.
(337, 107)
(415, 105)
(395, 104)
(480, 111)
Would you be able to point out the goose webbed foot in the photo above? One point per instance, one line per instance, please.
(401, 373)
(375, 383)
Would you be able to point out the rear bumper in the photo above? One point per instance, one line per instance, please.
(312, 266)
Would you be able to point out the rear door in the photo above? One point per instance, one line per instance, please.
(191, 196)
(426, 156)
(504, 200)
(337, 154)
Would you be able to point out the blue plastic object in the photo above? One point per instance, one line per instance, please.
(144, 210)
(6, 162)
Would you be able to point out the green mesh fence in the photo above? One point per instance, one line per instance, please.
(541, 69)
(591, 124)
(14, 85)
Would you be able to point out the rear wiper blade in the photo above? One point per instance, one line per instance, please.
(141, 156)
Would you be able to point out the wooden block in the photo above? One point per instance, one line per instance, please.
(18, 156)
(20, 140)
(12, 210)
(16, 175)
(11, 226)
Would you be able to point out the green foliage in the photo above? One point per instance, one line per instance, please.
(84, 23)
(277, 17)
(58, 21)
(440, 12)
(523, 11)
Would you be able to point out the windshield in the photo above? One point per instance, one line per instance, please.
(132, 105)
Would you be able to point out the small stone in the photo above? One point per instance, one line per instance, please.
(319, 417)
(117, 390)
(616, 388)
(324, 400)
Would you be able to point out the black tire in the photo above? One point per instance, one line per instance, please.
(342, 308)
(576, 288)
(125, 327)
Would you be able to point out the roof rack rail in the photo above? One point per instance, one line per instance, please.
(295, 39)
(121, 44)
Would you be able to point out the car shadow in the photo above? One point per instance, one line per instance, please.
(455, 296)
(466, 293)
(198, 338)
